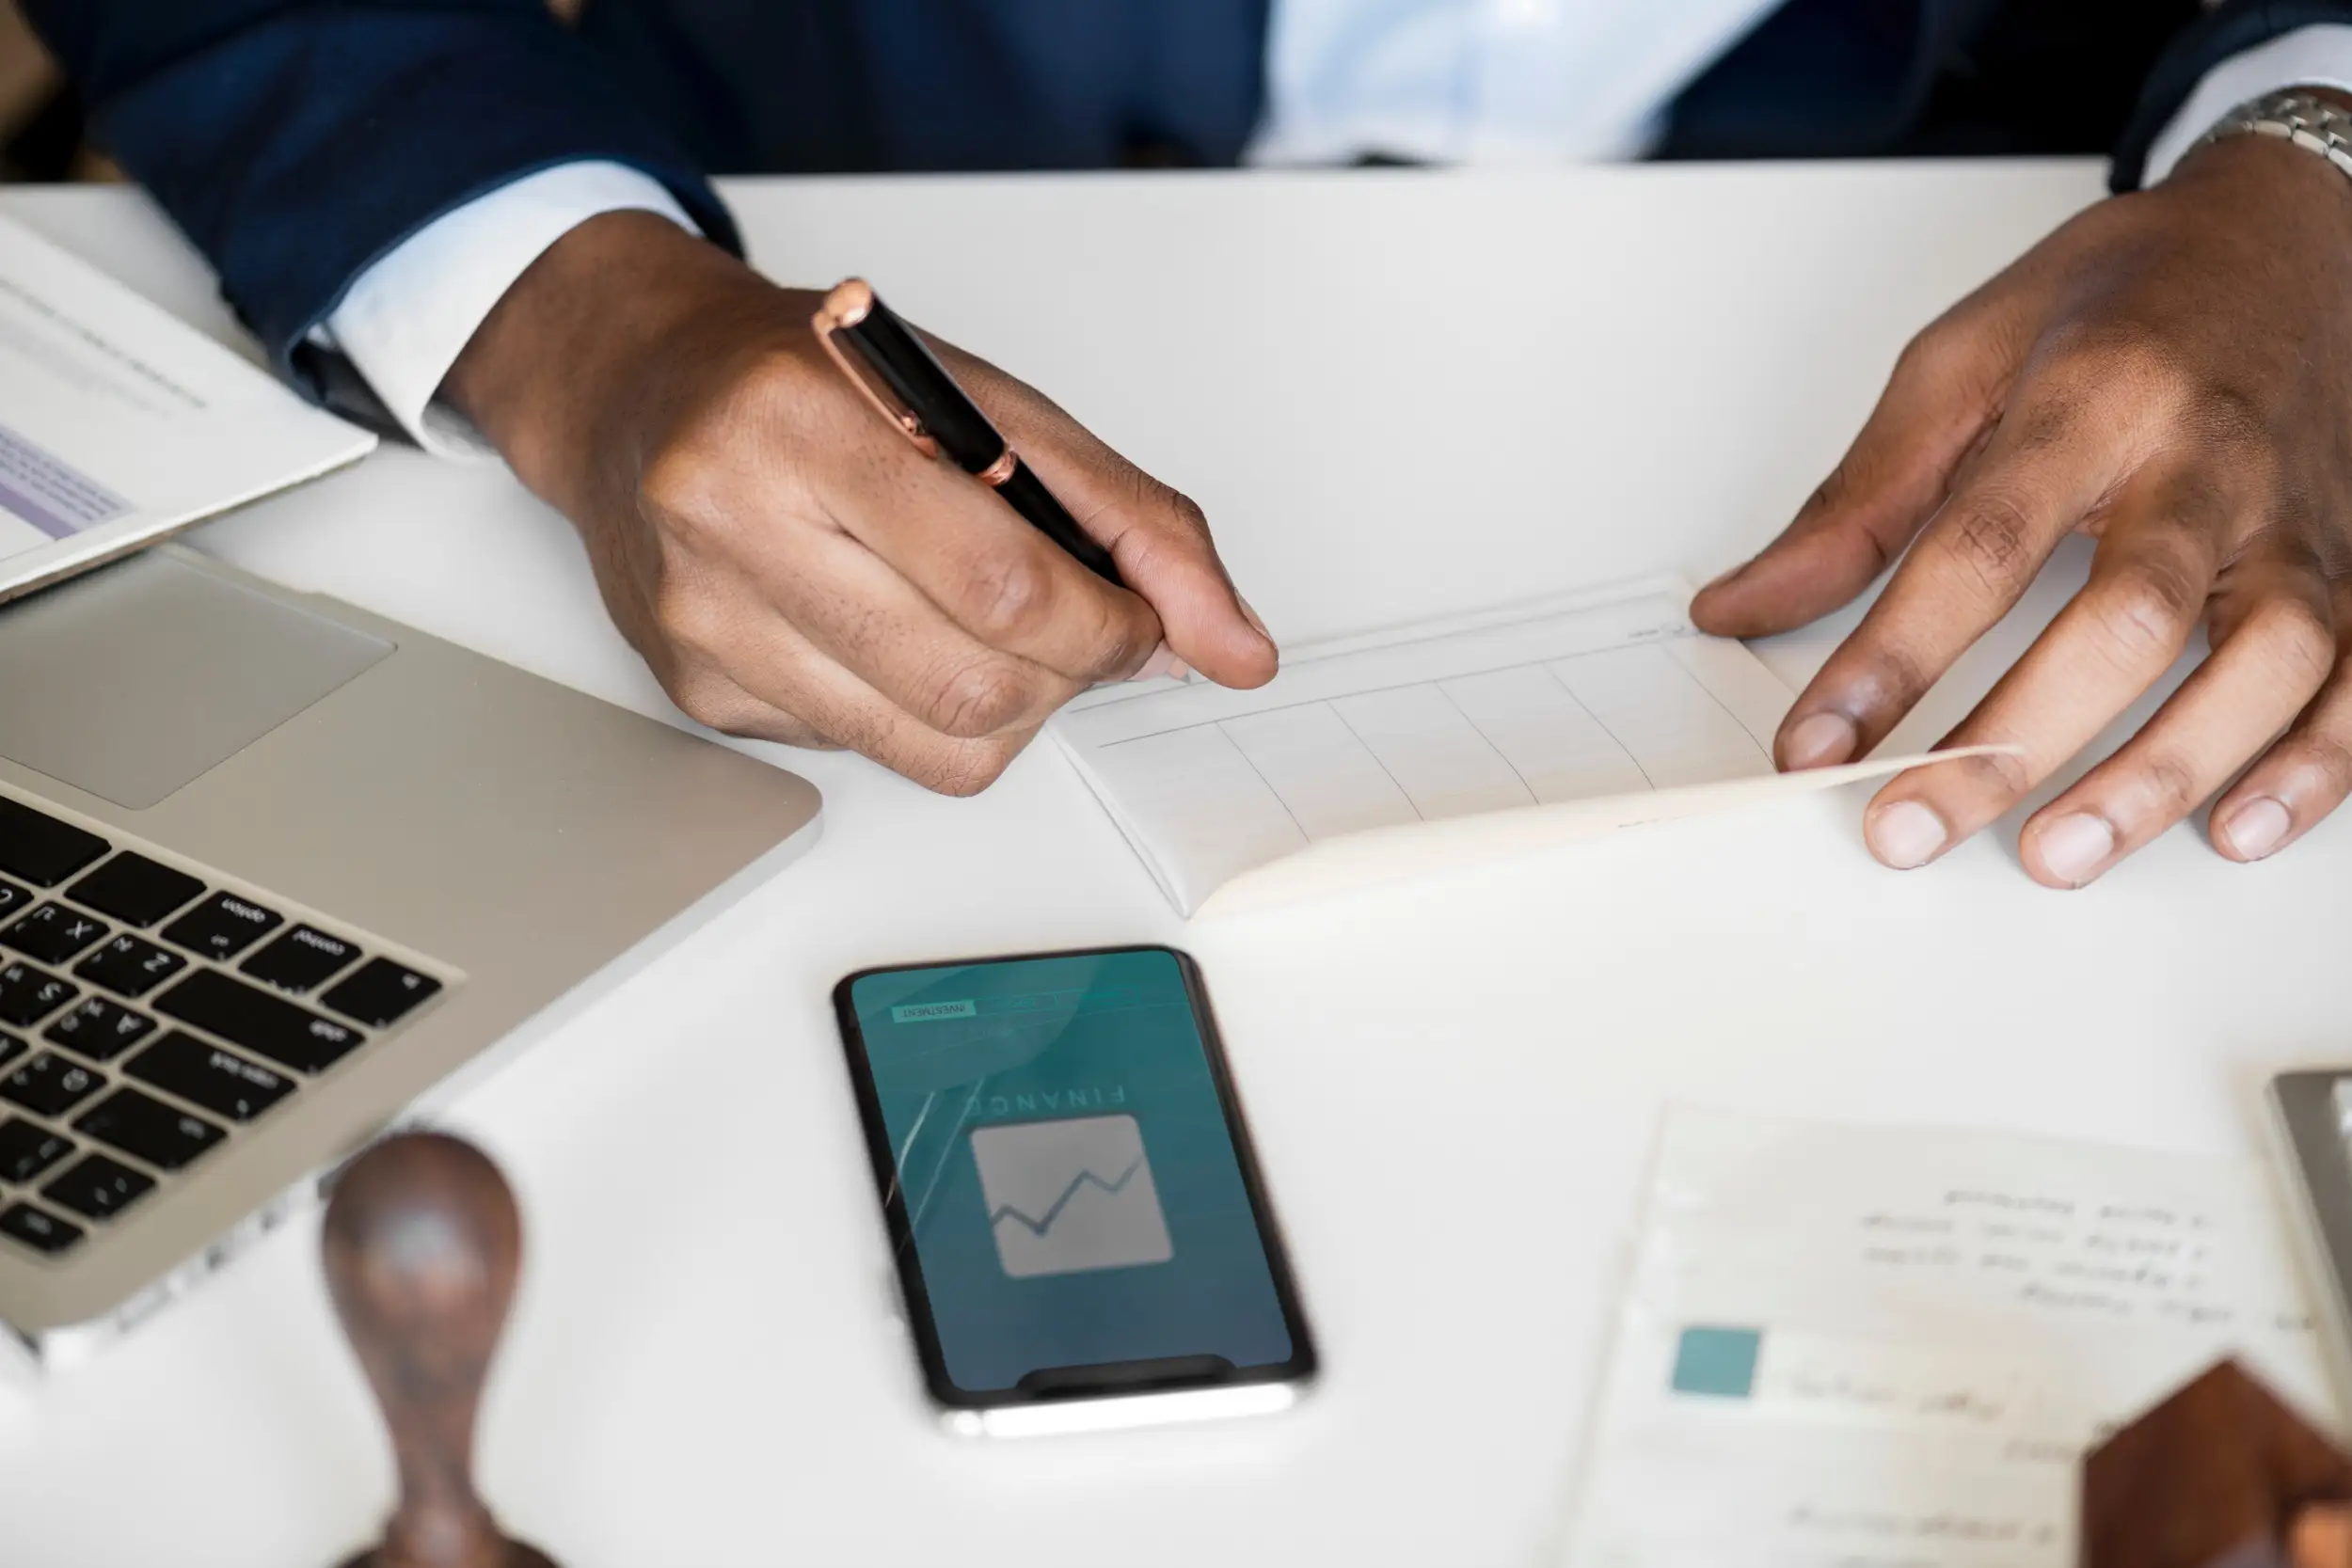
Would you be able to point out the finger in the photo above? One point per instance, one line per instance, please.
(989, 571)
(2279, 647)
(2147, 589)
(1937, 406)
(709, 697)
(702, 690)
(2046, 466)
(2302, 778)
(857, 610)
(776, 665)
(1159, 538)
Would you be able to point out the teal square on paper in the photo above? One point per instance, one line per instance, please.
(1717, 1362)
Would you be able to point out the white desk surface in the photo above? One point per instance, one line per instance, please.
(1395, 394)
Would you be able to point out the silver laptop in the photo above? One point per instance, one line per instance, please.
(272, 871)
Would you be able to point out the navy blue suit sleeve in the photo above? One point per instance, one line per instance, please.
(297, 141)
(2230, 28)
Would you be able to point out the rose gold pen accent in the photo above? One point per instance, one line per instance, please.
(994, 475)
(847, 305)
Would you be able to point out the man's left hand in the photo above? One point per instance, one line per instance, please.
(2171, 372)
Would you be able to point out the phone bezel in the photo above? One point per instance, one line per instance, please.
(921, 1324)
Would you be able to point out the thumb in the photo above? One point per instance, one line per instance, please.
(1163, 548)
(1158, 537)
(1939, 405)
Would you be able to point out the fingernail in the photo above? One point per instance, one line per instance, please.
(1906, 836)
(1723, 577)
(1251, 616)
(2075, 846)
(1162, 662)
(1819, 740)
(2257, 828)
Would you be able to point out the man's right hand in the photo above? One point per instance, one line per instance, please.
(788, 563)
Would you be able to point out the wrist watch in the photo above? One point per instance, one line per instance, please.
(2292, 116)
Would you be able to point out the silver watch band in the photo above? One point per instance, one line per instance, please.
(2292, 116)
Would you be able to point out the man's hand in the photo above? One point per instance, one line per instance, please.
(789, 564)
(2171, 374)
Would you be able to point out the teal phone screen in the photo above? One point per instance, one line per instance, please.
(1054, 1132)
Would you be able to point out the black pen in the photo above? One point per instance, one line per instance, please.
(898, 371)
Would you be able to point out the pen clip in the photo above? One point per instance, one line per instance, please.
(847, 305)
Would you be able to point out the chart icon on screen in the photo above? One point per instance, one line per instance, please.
(1069, 1195)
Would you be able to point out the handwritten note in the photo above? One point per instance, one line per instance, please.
(1871, 1347)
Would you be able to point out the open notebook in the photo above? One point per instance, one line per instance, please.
(1438, 744)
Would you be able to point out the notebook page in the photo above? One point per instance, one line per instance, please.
(1595, 697)
(120, 425)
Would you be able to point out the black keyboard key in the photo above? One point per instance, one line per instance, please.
(10, 1049)
(223, 927)
(251, 1017)
(26, 1150)
(134, 890)
(99, 1030)
(382, 994)
(50, 1084)
(22, 1222)
(149, 1130)
(128, 967)
(27, 995)
(99, 1187)
(13, 900)
(221, 1080)
(42, 849)
(304, 959)
(54, 933)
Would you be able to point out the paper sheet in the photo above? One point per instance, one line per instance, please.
(1436, 745)
(1864, 1347)
(120, 423)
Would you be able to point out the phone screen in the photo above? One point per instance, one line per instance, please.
(1071, 1193)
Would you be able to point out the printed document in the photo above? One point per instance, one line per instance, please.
(1429, 746)
(1862, 1347)
(120, 424)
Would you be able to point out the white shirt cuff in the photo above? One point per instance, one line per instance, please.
(404, 321)
(2319, 56)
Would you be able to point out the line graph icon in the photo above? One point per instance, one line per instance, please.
(1069, 1195)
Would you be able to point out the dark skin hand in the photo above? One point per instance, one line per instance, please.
(789, 564)
(2171, 373)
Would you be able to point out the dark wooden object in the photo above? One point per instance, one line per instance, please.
(424, 1243)
(2221, 1474)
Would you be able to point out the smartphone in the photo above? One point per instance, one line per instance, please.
(1081, 1234)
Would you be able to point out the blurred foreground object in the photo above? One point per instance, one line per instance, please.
(422, 1245)
(28, 87)
(41, 123)
(2221, 1474)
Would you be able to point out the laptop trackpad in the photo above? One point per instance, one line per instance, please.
(140, 678)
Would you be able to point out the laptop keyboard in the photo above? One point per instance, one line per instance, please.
(147, 1014)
